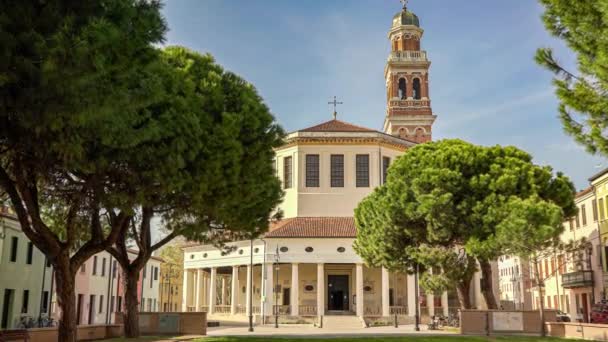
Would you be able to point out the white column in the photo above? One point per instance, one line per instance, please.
(320, 289)
(359, 289)
(411, 295)
(295, 291)
(223, 297)
(249, 291)
(212, 283)
(185, 291)
(430, 304)
(444, 303)
(234, 289)
(269, 295)
(197, 290)
(386, 309)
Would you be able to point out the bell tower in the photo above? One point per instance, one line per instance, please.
(408, 113)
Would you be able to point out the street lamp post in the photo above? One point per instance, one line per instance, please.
(417, 294)
(251, 286)
(276, 289)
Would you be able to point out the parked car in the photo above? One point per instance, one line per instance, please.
(599, 313)
(563, 317)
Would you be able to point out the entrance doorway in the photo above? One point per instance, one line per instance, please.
(79, 310)
(337, 292)
(7, 307)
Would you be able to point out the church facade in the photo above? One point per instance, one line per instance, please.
(305, 266)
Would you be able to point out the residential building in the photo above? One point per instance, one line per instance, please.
(599, 182)
(171, 287)
(100, 289)
(514, 283)
(573, 281)
(25, 275)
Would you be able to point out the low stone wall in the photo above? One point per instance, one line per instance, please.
(167, 323)
(83, 333)
(503, 322)
(585, 331)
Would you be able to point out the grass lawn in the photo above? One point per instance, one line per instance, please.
(353, 339)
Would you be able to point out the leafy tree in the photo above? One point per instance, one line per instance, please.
(207, 171)
(443, 196)
(71, 81)
(531, 230)
(583, 107)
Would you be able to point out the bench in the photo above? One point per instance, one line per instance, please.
(14, 335)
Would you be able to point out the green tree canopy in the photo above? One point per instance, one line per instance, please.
(443, 196)
(583, 107)
(72, 76)
(206, 169)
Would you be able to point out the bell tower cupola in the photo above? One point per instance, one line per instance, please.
(408, 114)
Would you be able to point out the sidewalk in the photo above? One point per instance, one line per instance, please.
(293, 330)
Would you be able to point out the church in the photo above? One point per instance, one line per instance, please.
(305, 267)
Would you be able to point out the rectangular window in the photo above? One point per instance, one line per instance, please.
(362, 170)
(155, 273)
(337, 171)
(287, 172)
(101, 304)
(114, 269)
(30, 253)
(584, 214)
(601, 205)
(312, 170)
(119, 304)
(151, 275)
(386, 162)
(14, 246)
(145, 269)
(594, 205)
(95, 265)
(48, 262)
(83, 268)
(45, 301)
(112, 304)
(578, 219)
(103, 267)
(26, 301)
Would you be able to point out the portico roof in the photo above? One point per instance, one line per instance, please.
(314, 227)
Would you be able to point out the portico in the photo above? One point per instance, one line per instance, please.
(311, 277)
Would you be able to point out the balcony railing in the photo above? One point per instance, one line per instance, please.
(282, 310)
(399, 310)
(407, 56)
(222, 309)
(308, 310)
(577, 279)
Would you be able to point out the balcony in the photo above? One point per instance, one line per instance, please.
(407, 56)
(577, 279)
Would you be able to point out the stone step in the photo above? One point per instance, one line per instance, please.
(342, 322)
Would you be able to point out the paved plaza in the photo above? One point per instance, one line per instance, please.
(293, 330)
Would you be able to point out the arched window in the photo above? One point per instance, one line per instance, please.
(416, 88)
(402, 88)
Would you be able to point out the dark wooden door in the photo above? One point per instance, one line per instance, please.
(337, 293)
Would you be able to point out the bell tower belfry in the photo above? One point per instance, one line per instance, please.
(408, 114)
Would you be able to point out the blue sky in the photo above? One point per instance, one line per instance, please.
(485, 85)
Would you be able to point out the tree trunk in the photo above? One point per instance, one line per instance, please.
(541, 287)
(66, 298)
(463, 290)
(486, 284)
(131, 315)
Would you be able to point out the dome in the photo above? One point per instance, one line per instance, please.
(406, 17)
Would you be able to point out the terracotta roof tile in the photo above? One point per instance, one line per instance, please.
(336, 126)
(314, 227)
(583, 192)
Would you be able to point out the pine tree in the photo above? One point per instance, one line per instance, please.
(583, 107)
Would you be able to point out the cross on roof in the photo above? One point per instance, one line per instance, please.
(404, 2)
(335, 103)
